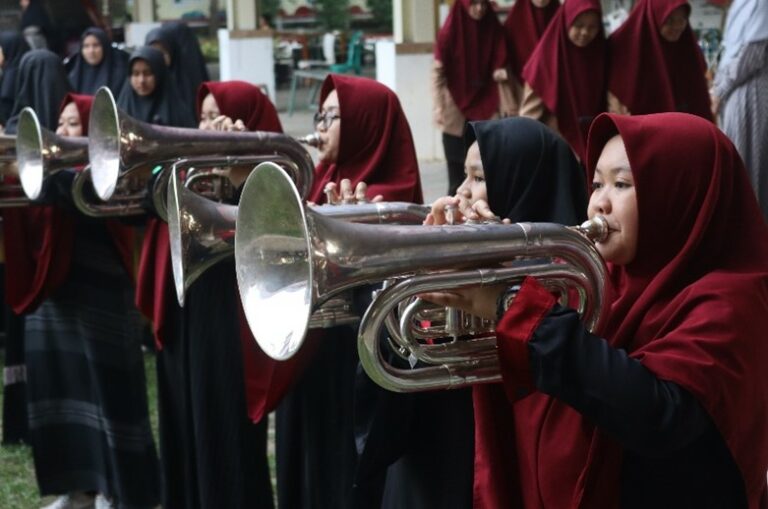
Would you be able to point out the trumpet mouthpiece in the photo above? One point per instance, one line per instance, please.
(596, 229)
(313, 140)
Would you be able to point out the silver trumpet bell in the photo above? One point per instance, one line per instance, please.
(41, 152)
(290, 260)
(202, 232)
(124, 151)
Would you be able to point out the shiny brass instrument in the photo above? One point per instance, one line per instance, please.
(11, 192)
(124, 152)
(202, 232)
(290, 260)
(41, 152)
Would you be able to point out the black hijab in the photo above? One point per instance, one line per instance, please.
(187, 62)
(35, 15)
(14, 46)
(163, 106)
(110, 72)
(531, 173)
(41, 84)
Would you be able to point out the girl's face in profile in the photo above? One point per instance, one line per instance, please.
(473, 188)
(613, 197)
(209, 111)
(328, 127)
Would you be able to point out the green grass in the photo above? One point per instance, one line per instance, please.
(18, 488)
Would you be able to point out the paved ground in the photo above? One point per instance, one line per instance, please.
(434, 177)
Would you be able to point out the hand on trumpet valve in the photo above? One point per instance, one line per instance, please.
(343, 193)
(224, 123)
(459, 210)
(479, 301)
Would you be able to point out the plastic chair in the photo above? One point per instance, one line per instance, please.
(354, 64)
(354, 61)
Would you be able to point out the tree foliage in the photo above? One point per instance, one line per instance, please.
(382, 14)
(333, 14)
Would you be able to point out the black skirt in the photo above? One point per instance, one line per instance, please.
(87, 400)
(212, 454)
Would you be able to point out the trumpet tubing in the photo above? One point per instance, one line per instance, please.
(291, 259)
(202, 233)
(125, 151)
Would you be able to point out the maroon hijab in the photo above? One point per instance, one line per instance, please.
(39, 241)
(569, 79)
(470, 51)
(241, 100)
(524, 26)
(376, 146)
(691, 307)
(651, 75)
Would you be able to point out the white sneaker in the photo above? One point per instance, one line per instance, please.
(102, 502)
(77, 500)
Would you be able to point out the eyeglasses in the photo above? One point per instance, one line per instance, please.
(325, 118)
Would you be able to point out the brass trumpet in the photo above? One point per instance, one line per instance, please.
(125, 151)
(290, 259)
(202, 231)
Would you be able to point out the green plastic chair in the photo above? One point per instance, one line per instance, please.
(354, 61)
(354, 64)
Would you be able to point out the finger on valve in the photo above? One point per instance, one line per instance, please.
(360, 191)
(439, 206)
(347, 196)
(331, 197)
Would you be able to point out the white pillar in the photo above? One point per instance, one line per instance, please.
(144, 16)
(405, 64)
(246, 53)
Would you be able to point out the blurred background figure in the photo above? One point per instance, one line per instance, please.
(37, 27)
(13, 46)
(97, 64)
(183, 56)
(565, 78)
(150, 95)
(525, 24)
(739, 92)
(468, 72)
(655, 63)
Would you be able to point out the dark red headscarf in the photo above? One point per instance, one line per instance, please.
(524, 26)
(570, 80)
(691, 307)
(470, 51)
(241, 100)
(155, 289)
(651, 75)
(39, 241)
(376, 146)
